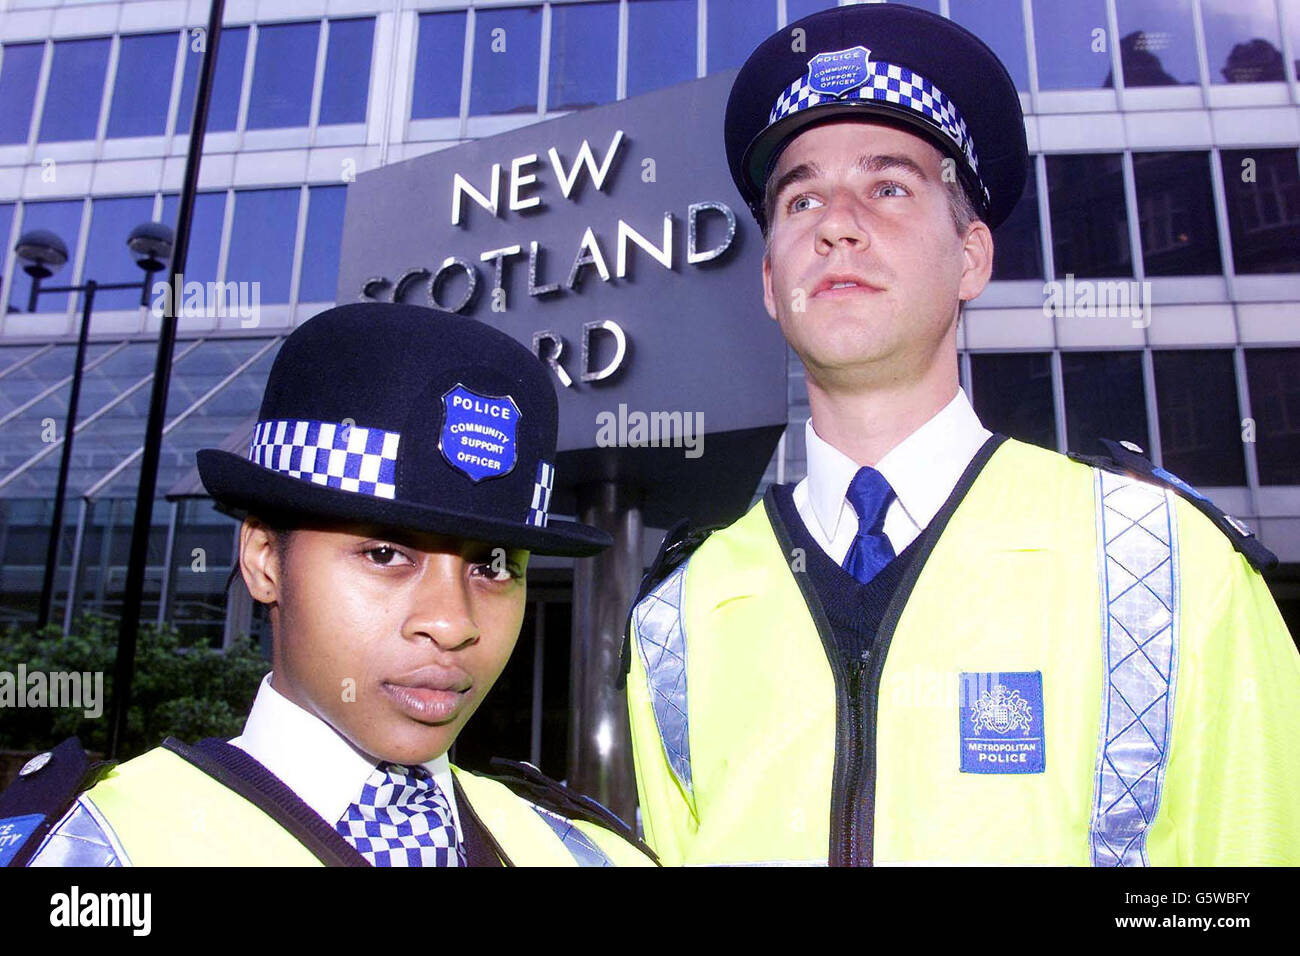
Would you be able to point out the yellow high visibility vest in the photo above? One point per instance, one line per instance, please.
(1081, 671)
(161, 810)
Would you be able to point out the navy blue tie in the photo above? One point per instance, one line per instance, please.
(869, 494)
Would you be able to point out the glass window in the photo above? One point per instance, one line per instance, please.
(439, 63)
(6, 248)
(1263, 194)
(661, 40)
(1242, 41)
(1017, 243)
(1274, 377)
(1012, 394)
(507, 56)
(1072, 44)
(1089, 222)
(283, 74)
(798, 9)
(1200, 433)
(1291, 17)
(143, 88)
(584, 55)
(261, 241)
(205, 233)
(107, 257)
(1176, 214)
(1157, 45)
(73, 96)
(320, 253)
(346, 89)
(1104, 398)
(20, 71)
(63, 218)
(227, 82)
(736, 27)
(1000, 24)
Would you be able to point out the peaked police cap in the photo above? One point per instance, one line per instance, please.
(409, 418)
(883, 63)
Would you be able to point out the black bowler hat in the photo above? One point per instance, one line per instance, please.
(410, 418)
(883, 62)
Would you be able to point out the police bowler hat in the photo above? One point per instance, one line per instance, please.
(409, 418)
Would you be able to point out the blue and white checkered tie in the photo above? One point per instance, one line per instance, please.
(402, 818)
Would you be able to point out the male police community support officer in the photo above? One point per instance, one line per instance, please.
(399, 476)
(943, 645)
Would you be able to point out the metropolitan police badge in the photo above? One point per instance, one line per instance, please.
(478, 433)
(1001, 722)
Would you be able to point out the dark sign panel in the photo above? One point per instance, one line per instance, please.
(613, 242)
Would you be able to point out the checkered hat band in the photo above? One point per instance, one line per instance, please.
(347, 457)
(892, 84)
(538, 511)
(402, 818)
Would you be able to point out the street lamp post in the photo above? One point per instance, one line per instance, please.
(42, 254)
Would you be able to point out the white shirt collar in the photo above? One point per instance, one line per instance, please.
(312, 758)
(922, 469)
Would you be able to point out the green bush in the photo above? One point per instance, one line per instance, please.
(178, 691)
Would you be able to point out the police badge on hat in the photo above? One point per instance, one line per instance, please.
(478, 433)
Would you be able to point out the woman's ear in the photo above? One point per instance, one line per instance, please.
(260, 561)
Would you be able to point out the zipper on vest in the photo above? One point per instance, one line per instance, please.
(855, 800)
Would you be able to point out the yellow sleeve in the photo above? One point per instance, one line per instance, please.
(667, 810)
(1232, 789)
(620, 852)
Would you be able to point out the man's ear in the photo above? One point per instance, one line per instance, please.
(259, 561)
(769, 300)
(977, 260)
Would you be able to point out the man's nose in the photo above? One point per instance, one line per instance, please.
(440, 609)
(843, 223)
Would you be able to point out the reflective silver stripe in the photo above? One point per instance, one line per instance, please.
(660, 635)
(581, 846)
(1138, 559)
(81, 838)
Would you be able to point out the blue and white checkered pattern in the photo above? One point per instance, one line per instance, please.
(538, 511)
(402, 818)
(893, 84)
(347, 457)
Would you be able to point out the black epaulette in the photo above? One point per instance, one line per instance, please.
(678, 544)
(1127, 459)
(46, 788)
(525, 780)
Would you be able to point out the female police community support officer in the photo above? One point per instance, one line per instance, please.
(942, 646)
(399, 475)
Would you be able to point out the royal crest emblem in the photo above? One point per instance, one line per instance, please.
(1001, 711)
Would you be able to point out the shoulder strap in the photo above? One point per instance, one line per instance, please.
(678, 545)
(481, 847)
(46, 788)
(1126, 458)
(525, 780)
(233, 768)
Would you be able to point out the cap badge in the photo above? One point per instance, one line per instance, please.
(838, 73)
(478, 433)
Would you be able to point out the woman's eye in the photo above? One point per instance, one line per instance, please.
(499, 571)
(384, 556)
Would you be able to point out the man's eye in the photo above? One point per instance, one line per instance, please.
(800, 203)
(384, 556)
(892, 189)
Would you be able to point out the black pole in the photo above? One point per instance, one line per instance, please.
(135, 572)
(65, 462)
